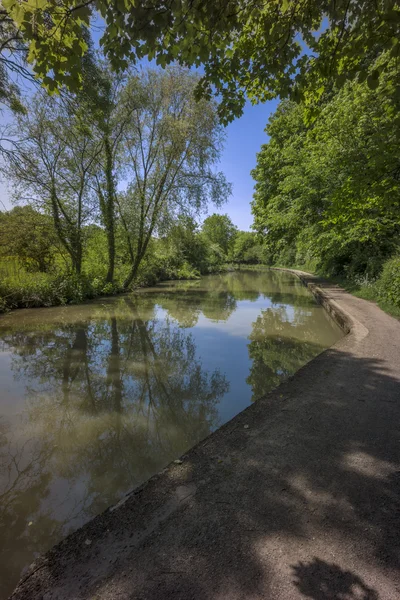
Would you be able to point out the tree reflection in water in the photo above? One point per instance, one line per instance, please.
(116, 389)
(110, 402)
(279, 346)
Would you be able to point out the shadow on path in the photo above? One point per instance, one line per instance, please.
(320, 580)
(258, 509)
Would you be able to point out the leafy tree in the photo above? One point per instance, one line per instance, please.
(28, 235)
(329, 192)
(51, 166)
(186, 243)
(248, 249)
(171, 147)
(107, 108)
(220, 230)
(248, 48)
(12, 65)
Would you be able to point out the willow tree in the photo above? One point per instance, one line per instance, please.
(106, 109)
(171, 148)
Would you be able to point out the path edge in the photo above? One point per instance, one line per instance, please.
(163, 485)
(320, 288)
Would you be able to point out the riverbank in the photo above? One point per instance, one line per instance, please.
(44, 290)
(298, 496)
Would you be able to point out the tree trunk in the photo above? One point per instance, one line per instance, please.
(108, 211)
(132, 274)
(78, 257)
(73, 245)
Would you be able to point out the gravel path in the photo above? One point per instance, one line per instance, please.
(296, 497)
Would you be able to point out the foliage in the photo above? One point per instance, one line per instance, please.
(220, 231)
(389, 282)
(247, 48)
(186, 244)
(181, 254)
(68, 158)
(42, 289)
(249, 250)
(328, 193)
(12, 64)
(244, 242)
(51, 167)
(171, 146)
(29, 236)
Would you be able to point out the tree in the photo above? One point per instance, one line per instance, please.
(244, 242)
(186, 244)
(12, 64)
(103, 104)
(220, 230)
(171, 147)
(329, 192)
(28, 235)
(248, 48)
(51, 164)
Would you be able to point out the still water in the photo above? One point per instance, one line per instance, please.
(96, 398)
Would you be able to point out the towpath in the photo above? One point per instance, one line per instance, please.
(297, 497)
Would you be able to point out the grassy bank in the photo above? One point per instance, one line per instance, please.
(384, 290)
(369, 291)
(23, 289)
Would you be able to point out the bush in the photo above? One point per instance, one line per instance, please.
(186, 271)
(286, 257)
(28, 290)
(389, 282)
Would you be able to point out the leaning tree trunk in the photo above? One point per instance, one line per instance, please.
(132, 274)
(108, 211)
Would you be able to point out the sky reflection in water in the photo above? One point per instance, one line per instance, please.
(96, 398)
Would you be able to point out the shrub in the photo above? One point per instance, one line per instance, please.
(28, 290)
(186, 271)
(389, 282)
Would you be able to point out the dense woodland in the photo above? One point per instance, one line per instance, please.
(327, 194)
(113, 164)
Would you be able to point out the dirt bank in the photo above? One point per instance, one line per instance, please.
(296, 497)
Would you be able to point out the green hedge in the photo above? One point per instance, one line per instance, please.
(389, 282)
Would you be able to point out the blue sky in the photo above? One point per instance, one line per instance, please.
(244, 139)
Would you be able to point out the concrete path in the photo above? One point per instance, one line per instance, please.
(297, 497)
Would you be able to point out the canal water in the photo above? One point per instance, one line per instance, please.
(98, 397)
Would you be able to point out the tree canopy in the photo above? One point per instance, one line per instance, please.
(329, 192)
(220, 230)
(113, 169)
(248, 48)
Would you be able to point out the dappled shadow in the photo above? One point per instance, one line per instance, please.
(117, 390)
(327, 462)
(312, 470)
(320, 580)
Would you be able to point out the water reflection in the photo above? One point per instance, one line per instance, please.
(98, 397)
(276, 348)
